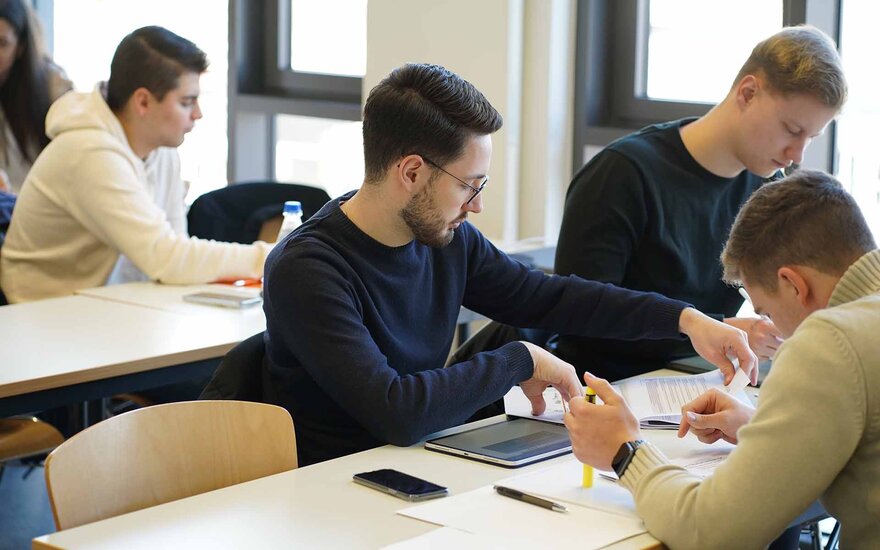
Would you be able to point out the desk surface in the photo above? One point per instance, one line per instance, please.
(315, 506)
(64, 341)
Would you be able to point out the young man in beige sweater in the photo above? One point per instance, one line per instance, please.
(803, 251)
(103, 202)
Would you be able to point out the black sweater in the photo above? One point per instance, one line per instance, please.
(358, 332)
(643, 214)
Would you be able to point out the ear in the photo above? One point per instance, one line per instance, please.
(746, 90)
(412, 172)
(792, 281)
(140, 101)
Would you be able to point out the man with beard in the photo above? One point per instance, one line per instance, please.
(361, 301)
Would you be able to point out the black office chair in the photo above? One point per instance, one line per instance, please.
(237, 213)
(240, 374)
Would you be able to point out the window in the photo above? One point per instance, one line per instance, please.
(85, 52)
(323, 152)
(692, 58)
(857, 138)
(316, 50)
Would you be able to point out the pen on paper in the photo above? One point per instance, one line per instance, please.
(531, 499)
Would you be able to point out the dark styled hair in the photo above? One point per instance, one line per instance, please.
(426, 110)
(25, 93)
(152, 58)
(799, 60)
(805, 219)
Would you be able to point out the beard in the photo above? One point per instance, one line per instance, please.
(423, 218)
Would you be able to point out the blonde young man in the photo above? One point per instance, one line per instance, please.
(103, 202)
(651, 211)
(803, 251)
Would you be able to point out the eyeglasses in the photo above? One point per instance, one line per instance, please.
(474, 190)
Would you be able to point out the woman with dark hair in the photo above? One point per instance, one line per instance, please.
(29, 83)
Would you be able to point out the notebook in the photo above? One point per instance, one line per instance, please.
(511, 443)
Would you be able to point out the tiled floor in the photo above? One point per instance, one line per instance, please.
(24, 507)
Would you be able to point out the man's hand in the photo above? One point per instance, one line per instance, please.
(549, 370)
(764, 337)
(715, 415)
(718, 343)
(598, 431)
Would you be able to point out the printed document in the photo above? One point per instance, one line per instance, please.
(657, 402)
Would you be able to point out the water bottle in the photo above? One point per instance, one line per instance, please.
(292, 219)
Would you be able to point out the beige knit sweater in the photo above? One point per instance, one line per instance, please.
(815, 434)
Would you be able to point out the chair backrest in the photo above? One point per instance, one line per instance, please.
(240, 373)
(237, 212)
(166, 452)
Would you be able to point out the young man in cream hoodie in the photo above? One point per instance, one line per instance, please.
(803, 251)
(103, 202)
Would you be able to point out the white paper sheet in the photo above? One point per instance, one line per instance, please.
(562, 483)
(657, 402)
(517, 404)
(485, 513)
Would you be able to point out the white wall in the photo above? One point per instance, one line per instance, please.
(519, 54)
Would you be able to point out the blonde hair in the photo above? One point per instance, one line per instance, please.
(799, 60)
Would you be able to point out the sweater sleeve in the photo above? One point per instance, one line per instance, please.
(605, 214)
(507, 291)
(313, 309)
(109, 200)
(788, 455)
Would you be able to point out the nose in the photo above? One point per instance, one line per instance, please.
(795, 151)
(475, 206)
(197, 111)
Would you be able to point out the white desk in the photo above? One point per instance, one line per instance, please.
(313, 507)
(170, 298)
(56, 344)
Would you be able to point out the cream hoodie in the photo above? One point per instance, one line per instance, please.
(89, 199)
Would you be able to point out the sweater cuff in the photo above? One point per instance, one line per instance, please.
(647, 458)
(669, 315)
(519, 361)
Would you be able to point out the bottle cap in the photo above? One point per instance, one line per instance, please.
(293, 207)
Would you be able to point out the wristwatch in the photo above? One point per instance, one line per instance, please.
(625, 455)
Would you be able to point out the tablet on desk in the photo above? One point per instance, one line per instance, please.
(511, 443)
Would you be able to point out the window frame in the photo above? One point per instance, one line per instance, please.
(610, 65)
(280, 77)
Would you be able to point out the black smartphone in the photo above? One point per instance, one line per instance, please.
(400, 485)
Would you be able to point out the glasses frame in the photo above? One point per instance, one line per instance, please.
(474, 190)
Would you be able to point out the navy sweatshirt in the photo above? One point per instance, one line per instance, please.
(358, 332)
(645, 215)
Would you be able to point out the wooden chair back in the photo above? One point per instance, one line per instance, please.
(166, 452)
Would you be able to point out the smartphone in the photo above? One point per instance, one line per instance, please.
(400, 485)
(221, 299)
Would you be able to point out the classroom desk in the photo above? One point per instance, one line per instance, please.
(78, 348)
(313, 507)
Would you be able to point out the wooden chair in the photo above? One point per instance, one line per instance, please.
(26, 436)
(166, 452)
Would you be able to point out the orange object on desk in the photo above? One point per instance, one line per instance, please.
(240, 282)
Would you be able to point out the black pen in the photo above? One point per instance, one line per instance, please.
(531, 499)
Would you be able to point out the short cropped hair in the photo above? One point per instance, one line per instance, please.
(799, 60)
(805, 219)
(426, 110)
(153, 58)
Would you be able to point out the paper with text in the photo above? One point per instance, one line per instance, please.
(657, 402)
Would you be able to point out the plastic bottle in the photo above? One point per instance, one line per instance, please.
(292, 219)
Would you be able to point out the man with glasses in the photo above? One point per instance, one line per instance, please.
(362, 300)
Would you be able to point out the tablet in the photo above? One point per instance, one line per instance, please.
(511, 443)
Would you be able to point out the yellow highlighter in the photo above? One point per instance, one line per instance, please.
(588, 470)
